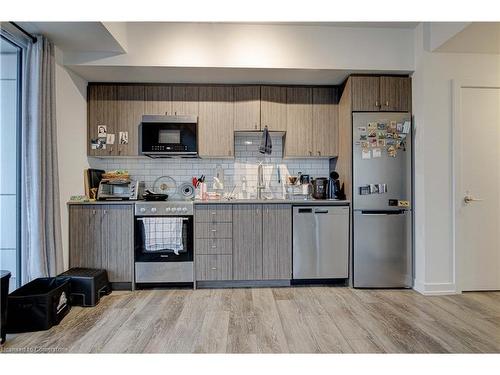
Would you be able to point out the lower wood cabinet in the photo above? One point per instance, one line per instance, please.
(276, 242)
(258, 248)
(247, 242)
(102, 236)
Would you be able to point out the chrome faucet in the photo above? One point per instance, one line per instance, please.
(260, 181)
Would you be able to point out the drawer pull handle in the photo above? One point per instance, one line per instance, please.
(213, 213)
(214, 268)
(214, 230)
(214, 246)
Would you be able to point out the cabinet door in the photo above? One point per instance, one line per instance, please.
(185, 100)
(276, 241)
(395, 94)
(216, 119)
(247, 108)
(365, 93)
(101, 112)
(247, 242)
(325, 122)
(158, 100)
(85, 237)
(117, 225)
(273, 107)
(130, 108)
(298, 139)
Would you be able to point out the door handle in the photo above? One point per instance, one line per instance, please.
(469, 199)
(321, 211)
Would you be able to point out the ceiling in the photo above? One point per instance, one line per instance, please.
(478, 37)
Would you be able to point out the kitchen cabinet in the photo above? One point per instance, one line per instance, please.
(216, 122)
(325, 121)
(384, 93)
(247, 242)
(395, 94)
(273, 107)
(365, 93)
(246, 108)
(298, 139)
(276, 242)
(158, 100)
(185, 100)
(101, 110)
(130, 108)
(101, 236)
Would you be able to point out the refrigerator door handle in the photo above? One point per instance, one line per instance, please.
(382, 213)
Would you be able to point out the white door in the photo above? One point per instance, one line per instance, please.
(478, 190)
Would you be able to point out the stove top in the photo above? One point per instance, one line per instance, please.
(164, 208)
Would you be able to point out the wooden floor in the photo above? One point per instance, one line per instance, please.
(275, 320)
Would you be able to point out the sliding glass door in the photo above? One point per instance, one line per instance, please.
(10, 130)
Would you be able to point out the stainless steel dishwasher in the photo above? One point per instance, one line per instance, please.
(320, 242)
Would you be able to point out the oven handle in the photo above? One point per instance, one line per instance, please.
(144, 217)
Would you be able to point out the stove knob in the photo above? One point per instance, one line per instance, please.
(153, 209)
(184, 209)
(179, 209)
(167, 209)
(142, 209)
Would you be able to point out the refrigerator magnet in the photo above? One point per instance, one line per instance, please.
(382, 188)
(399, 127)
(391, 150)
(365, 144)
(366, 154)
(406, 127)
(372, 126)
(372, 133)
(362, 129)
(362, 137)
(373, 142)
(364, 190)
(381, 135)
(381, 126)
(373, 188)
(381, 143)
(376, 153)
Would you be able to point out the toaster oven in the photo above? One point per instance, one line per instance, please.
(120, 190)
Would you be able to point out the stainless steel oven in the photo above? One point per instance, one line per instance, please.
(164, 242)
(169, 136)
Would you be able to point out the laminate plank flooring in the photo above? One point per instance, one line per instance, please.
(315, 319)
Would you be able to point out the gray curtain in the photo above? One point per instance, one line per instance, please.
(41, 221)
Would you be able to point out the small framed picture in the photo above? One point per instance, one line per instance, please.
(102, 130)
(123, 138)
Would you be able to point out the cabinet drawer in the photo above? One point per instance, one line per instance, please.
(214, 267)
(214, 230)
(213, 213)
(214, 246)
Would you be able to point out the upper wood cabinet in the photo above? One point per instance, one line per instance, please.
(158, 100)
(365, 93)
(298, 140)
(385, 93)
(130, 108)
(101, 110)
(185, 100)
(246, 108)
(325, 121)
(273, 107)
(216, 121)
(395, 94)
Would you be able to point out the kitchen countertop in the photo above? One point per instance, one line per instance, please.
(296, 202)
(301, 202)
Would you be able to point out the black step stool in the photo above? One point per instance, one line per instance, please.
(87, 285)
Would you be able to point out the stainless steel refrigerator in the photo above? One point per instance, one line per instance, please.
(382, 219)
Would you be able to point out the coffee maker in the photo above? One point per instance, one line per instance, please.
(334, 190)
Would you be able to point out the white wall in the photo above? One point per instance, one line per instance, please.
(259, 46)
(71, 115)
(432, 103)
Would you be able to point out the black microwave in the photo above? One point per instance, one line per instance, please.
(169, 136)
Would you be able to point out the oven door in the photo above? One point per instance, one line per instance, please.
(152, 239)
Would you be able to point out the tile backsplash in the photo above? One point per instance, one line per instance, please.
(244, 165)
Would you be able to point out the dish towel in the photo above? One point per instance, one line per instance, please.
(163, 233)
(266, 146)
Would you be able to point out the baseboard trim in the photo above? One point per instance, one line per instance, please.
(435, 289)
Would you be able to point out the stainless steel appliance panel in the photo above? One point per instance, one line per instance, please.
(164, 272)
(395, 172)
(320, 242)
(382, 249)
